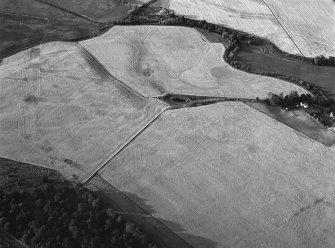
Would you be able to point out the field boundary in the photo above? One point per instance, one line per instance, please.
(84, 180)
(306, 136)
(130, 200)
(282, 27)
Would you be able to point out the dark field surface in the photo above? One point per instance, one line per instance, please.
(33, 8)
(16, 176)
(299, 121)
(321, 76)
(21, 32)
(26, 23)
(98, 10)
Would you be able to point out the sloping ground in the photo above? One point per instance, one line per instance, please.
(60, 110)
(296, 27)
(251, 16)
(309, 23)
(155, 60)
(232, 175)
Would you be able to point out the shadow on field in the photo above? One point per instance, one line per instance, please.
(162, 232)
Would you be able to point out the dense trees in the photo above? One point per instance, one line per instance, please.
(66, 216)
(322, 60)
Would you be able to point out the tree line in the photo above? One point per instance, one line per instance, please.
(66, 216)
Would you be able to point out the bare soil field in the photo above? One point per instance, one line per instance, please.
(60, 109)
(309, 23)
(156, 60)
(251, 16)
(232, 175)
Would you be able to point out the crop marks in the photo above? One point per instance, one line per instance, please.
(59, 110)
(156, 60)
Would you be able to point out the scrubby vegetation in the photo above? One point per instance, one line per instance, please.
(63, 215)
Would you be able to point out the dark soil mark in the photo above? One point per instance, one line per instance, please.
(303, 209)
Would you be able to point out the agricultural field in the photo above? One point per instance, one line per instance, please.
(156, 60)
(226, 175)
(249, 16)
(309, 23)
(60, 109)
(97, 10)
(21, 32)
(33, 8)
(299, 120)
(323, 77)
(298, 27)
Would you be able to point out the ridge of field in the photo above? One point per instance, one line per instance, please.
(297, 27)
(311, 24)
(155, 60)
(59, 109)
(251, 16)
(232, 175)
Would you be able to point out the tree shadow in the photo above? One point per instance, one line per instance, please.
(162, 232)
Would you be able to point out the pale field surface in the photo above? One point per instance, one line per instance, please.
(60, 110)
(251, 16)
(156, 60)
(232, 175)
(310, 23)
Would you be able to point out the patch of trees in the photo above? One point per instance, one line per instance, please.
(318, 107)
(322, 60)
(66, 216)
(290, 100)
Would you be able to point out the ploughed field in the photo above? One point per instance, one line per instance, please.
(221, 175)
(322, 77)
(155, 60)
(297, 27)
(60, 109)
(232, 175)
